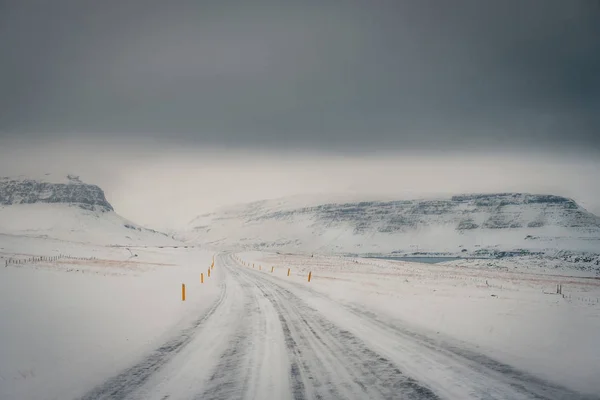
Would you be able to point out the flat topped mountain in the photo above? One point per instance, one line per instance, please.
(67, 191)
(475, 211)
(66, 208)
(503, 219)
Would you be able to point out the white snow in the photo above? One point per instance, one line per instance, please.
(66, 326)
(91, 307)
(291, 225)
(513, 315)
(74, 224)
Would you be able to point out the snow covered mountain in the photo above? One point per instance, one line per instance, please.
(476, 224)
(66, 191)
(68, 209)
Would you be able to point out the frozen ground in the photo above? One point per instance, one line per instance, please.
(116, 328)
(66, 325)
(510, 312)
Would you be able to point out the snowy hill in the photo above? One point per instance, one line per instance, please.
(67, 209)
(477, 224)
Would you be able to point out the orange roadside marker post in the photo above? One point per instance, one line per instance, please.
(183, 292)
(309, 276)
(289, 269)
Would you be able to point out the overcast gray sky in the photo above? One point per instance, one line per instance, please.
(352, 81)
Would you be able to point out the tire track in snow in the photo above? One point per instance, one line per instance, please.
(230, 377)
(329, 362)
(527, 384)
(477, 375)
(269, 342)
(127, 382)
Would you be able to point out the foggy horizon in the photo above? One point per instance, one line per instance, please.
(222, 103)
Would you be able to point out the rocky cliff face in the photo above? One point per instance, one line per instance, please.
(72, 192)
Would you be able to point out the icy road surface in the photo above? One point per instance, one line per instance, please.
(262, 340)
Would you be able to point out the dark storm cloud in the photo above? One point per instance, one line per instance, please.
(335, 75)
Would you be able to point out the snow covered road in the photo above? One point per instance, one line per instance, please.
(266, 337)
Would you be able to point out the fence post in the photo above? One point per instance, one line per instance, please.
(309, 275)
(183, 292)
(288, 272)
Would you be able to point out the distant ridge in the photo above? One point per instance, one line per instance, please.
(464, 223)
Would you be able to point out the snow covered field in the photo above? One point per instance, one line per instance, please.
(511, 314)
(67, 325)
(115, 327)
